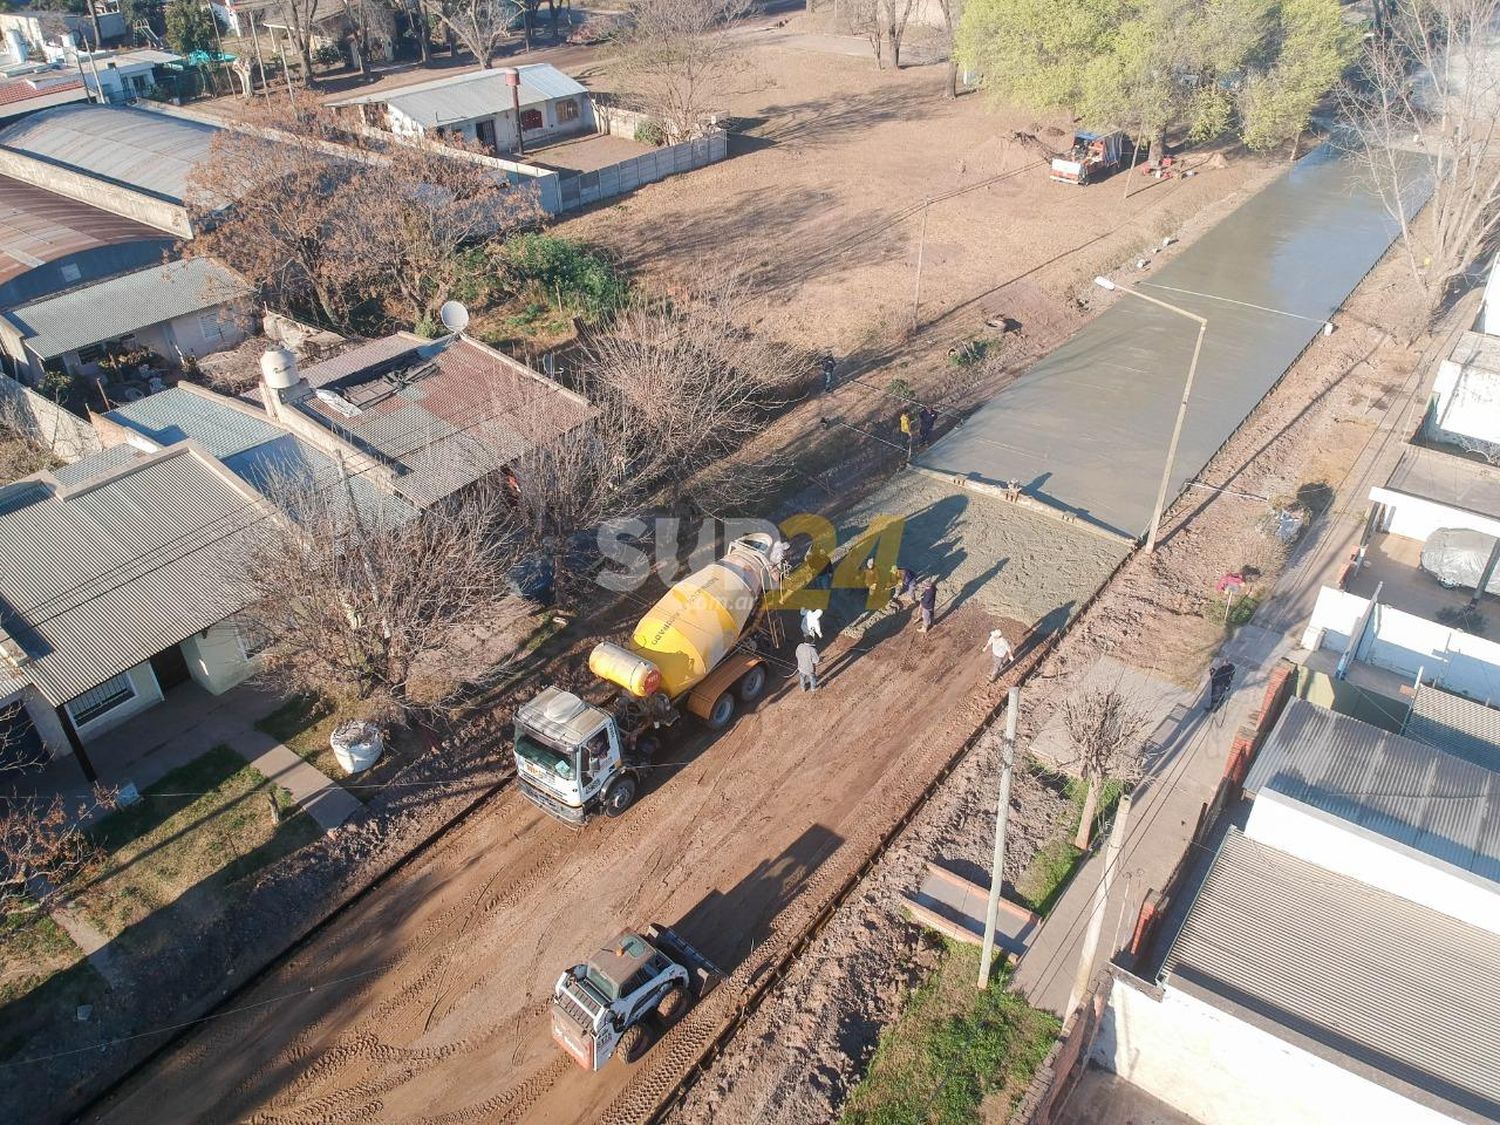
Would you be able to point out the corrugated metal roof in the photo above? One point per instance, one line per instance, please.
(100, 577)
(481, 93)
(1435, 802)
(146, 151)
(457, 413)
(1455, 725)
(274, 462)
(1446, 479)
(177, 414)
(37, 227)
(1372, 976)
(106, 310)
(94, 465)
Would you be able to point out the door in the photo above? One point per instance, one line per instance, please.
(486, 133)
(170, 667)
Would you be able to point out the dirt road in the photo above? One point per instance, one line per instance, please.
(428, 1000)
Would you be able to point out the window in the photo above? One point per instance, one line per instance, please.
(567, 111)
(90, 353)
(71, 272)
(102, 699)
(531, 120)
(210, 327)
(252, 636)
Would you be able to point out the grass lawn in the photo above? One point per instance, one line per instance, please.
(1055, 864)
(178, 858)
(303, 723)
(43, 978)
(956, 1054)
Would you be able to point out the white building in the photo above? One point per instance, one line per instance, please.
(478, 107)
(116, 77)
(1339, 958)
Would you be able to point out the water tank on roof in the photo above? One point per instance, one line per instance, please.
(278, 367)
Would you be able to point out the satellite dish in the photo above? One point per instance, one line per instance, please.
(454, 316)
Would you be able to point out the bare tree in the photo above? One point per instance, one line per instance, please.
(349, 595)
(693, 387)
(678, 56)
(895, 14)
(1425, 107)
(282, 192)
(479, 25)
(1104, 727)
(301, 17)
(862, 17)
(953, 11)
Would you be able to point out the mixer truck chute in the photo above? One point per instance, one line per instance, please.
(688, 653)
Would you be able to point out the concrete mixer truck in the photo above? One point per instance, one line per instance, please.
(689, 653)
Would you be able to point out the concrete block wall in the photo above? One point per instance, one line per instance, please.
(1416, 518)
(45, 422)
(216, 659)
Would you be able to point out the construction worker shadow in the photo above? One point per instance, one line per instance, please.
(728, 926)
(1049, 623)
(973, 586)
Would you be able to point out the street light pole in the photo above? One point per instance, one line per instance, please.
(1187, 392)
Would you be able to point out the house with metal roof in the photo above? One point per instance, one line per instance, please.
(482, 106)
(1296, 994)
(175, 310)
(1330, 948)
(119, 579)
(1418, 818)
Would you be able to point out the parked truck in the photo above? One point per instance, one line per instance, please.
(1093, 155)
(690, 653)
(604, 1006)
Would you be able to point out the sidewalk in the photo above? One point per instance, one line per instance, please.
(185, 725)
(1187, 751)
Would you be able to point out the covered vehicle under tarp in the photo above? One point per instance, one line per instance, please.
(1457, 556)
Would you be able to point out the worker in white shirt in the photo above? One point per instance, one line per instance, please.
(1001, 654)
(812, 624)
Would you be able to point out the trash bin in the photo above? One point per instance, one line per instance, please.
(357, 745)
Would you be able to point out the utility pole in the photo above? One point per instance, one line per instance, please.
(916, 302)
(1187, 393)
(259, 62)
(1002, 814)
(1101, 901)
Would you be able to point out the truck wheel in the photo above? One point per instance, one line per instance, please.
(722, 712)
(752, 684)
(633, 1042)
(669, 1008)
(619, 795)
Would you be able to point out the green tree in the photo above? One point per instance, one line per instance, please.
(189, 26)
(1037, 52)
(1152, 65)
(1316, 48)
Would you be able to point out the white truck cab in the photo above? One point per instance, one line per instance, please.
(569, 757)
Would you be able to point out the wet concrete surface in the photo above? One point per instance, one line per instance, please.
(1086, 429)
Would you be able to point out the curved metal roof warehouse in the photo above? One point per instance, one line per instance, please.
(147, 152)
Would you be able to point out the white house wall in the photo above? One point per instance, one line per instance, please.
(147, 694)
(1220, 1070)
(1407, 644)
(1373, 859)
(1417, 518)
(216, 660)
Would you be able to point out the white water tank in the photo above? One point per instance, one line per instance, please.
(278, 367)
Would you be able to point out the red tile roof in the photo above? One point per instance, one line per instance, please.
(23, 89)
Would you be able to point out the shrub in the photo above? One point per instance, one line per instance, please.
(649, 132)
(577, 278)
